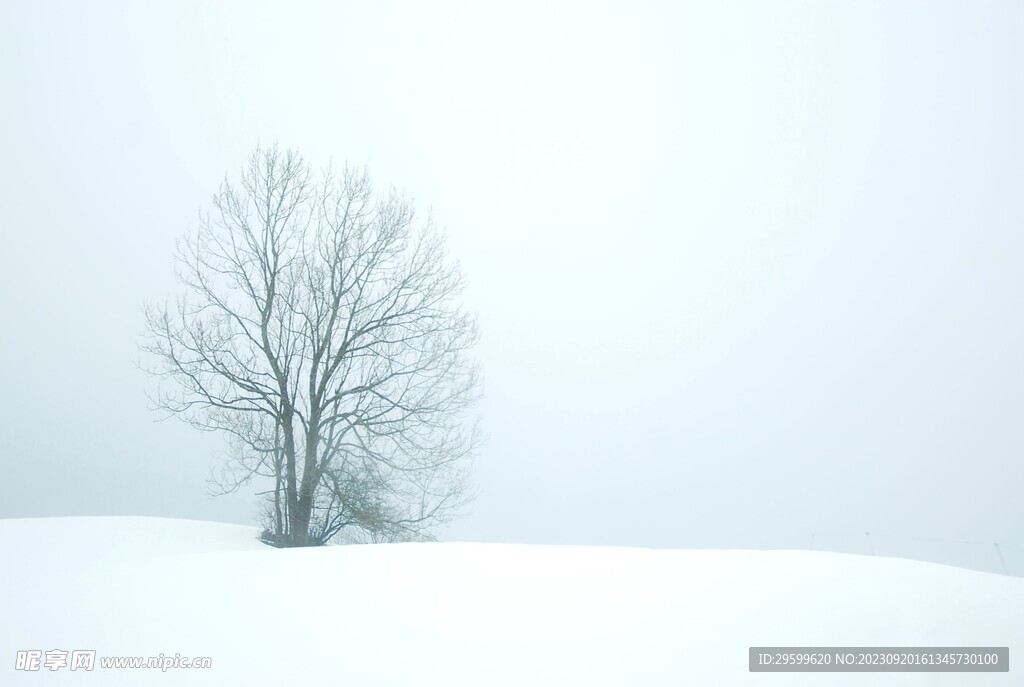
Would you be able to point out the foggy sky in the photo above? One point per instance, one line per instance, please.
(745, 272)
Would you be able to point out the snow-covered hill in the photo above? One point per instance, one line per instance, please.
(468, 614)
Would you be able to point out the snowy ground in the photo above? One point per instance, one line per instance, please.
(469, 614)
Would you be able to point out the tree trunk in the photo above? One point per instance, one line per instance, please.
(303, 513)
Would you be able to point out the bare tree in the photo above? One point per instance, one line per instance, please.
(320, 332)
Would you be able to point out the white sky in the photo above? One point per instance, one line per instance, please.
(745, 271)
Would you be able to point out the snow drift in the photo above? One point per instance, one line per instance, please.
(469, 614)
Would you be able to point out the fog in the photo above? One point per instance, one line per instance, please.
(747, 274)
